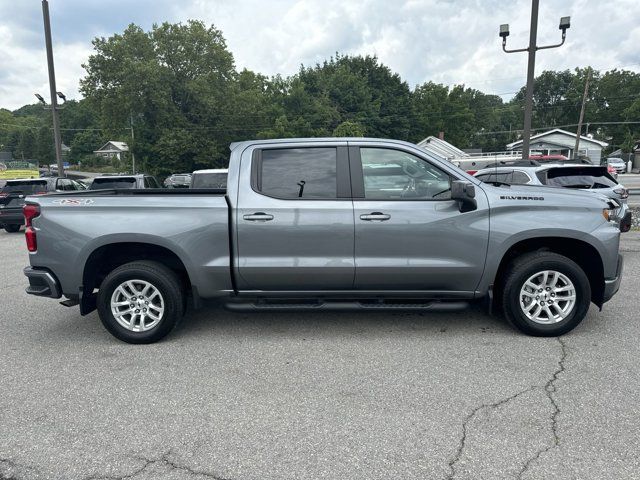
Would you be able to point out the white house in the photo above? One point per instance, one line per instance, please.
(561, 142)
(112, 149)
(442, 148)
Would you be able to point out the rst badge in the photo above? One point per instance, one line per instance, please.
(73, 202)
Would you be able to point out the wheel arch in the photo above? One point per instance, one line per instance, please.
(582, 252)
(107, 257)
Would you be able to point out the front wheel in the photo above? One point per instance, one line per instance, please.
(545, 294)
(140, 302)
(12, 228)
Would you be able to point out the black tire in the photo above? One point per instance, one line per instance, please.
(521, 269)
(12, 228)
(160, 277)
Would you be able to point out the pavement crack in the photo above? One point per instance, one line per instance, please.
(550, 389)
(6, 464)
(163, 460)
(465, 425)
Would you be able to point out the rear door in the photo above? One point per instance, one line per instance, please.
(409, 234)
(295, 218)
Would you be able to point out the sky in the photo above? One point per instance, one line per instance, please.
(445, 41)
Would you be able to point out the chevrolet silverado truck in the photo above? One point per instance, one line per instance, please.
(326, 224)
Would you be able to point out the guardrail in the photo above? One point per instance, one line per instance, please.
(634, 191)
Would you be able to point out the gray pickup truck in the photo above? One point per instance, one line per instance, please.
(326, 224)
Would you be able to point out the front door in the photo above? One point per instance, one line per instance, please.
(410, 235)
(295, 224)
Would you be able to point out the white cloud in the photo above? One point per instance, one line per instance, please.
(447, 41)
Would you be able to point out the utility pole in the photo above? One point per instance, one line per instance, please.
(565, 23)
(52, 87)
(133, 157)
(584, 102)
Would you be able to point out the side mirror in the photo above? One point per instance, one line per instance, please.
(464, 193)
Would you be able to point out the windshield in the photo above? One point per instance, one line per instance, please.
(209, 180)
(580, 177)
(27, 187)
(111, 183)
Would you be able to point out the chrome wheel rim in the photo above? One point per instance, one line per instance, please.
(137, 305)
(547, 297)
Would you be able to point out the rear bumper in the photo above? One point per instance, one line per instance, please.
(11, 216)
(612, 285)
(42, 283)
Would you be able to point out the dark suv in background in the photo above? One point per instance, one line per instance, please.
(14, 191)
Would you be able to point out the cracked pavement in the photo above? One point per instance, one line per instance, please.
(232, 396)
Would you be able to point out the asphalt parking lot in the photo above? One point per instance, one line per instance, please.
(317, 396)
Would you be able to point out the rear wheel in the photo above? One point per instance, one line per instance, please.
(12, 228)
(140, 302)
(545, 294)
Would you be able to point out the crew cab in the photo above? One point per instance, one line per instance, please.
(326, 224)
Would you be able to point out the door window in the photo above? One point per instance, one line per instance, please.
(64, 185)
(297, 173)
(397, 175)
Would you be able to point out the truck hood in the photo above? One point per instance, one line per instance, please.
(556, 196)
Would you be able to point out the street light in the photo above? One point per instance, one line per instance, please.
(62, 96)
(565, 23)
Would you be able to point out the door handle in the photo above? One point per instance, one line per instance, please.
(258, 217)
(375, 217)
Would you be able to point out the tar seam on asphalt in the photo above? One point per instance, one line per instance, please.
(549, 389)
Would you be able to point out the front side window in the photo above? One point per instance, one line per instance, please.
(298, 173)
(397, 175)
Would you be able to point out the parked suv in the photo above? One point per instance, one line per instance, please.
(14, 192)
(124, 182)
(590, 178)
(210, 178)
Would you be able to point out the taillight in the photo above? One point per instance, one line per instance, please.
(472, 172)
(30, 212)
(623, 192)
(3, 195)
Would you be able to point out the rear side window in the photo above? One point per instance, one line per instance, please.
(579, 177)
(298, 173)
(26, 187)
(512, 178)
(112, 183)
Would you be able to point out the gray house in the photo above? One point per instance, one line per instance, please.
(561, 142)
(112, 149)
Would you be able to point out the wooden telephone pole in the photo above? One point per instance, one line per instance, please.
(584, 102)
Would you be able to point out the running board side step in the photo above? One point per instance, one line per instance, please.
(326, 305)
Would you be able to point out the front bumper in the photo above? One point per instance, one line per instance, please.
(612, 285)
(42, 283)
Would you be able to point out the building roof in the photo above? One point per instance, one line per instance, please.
(113, 146)
(441, 148)
(511, 146)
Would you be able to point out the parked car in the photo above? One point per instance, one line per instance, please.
(618, 164)
(13, 193)
(589, 178)
(178, 180)
(124, 182)
(327, 224)
(210, 178)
